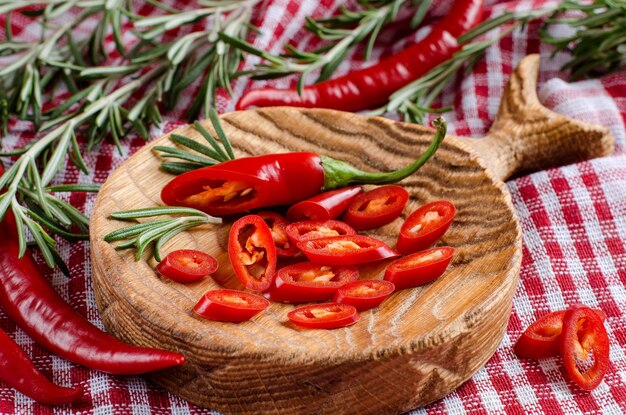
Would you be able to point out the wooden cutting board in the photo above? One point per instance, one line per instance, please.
(421, 343)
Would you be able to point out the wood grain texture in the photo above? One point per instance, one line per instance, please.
(414, 349)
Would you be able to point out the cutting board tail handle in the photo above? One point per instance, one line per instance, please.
(527, 137)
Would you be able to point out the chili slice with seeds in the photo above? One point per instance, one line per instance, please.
(346, 250)
(376, 207)
(252, 252)
(419, 268)
(306, 282)
(230, 305)
(584, 347)
(187, 265)
(277, 223)
(425, 226)
(313, 229)
(324, 316)
(364, 295)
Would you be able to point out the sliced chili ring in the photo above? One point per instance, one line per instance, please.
(419, 268)
(315, 229)
(376, 207)
(425, 226)
(365, 294)
(542, 338)
(307, 282)
(277, 223)
(346, 250)
(324, 316)
(325, 206)
(252, 252)
(584, 347)
(187, 265)
(230, 305)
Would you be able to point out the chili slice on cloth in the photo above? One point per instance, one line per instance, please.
(313, 229)
(419, 268)
(376, 207)
(277, 223)
(346, 250)
(425, 226)
(252, 252)
(542, 338)
(325, 206)
(364, 295)
(230, 305)
(584, 347)
(324, 316)
(307, 282)
(187, 265)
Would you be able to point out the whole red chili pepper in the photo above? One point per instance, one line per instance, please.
(247, 183)
(373, 85)
(19, 372)
(31, 302)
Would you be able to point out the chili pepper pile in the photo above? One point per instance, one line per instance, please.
(31, 302)
(332, 249)
(366, 88)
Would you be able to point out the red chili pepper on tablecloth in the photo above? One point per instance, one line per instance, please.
(247, 183)
(31, 302)
(19, 372)
(373, 85)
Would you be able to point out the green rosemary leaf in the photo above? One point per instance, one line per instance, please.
(54, 228)
(159, 211)
(208, 137)
(134, 230)
(43, 241)
(196, 146)
(74, 187)
(21, 235)
(164, 238)
(171, 152)
(177, 168)
(217, 125)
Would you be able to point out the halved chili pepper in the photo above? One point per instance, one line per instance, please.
(314, 229)
(230, 305)
(325, 206)
(542, 338)
(252, 252)
(365, 88)
(29, 300)
(19, 372)
(324, 316)
(584, 347)
(376, 207)
(365, 294)
(425, 226)
(277, 223)
(306, 282)
(187, 265)
(419, 268)
(346, 250)
(239, 185)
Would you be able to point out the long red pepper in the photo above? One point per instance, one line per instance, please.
(19, 372)
(31, 302)
(239, 185)
(373, 85)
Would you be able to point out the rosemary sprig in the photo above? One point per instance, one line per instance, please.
(342, 32)
(208, 155)
(156, 232)
(101, 92)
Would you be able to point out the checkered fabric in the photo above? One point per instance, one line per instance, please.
(573, 220)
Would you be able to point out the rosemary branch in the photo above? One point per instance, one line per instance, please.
(156, 232)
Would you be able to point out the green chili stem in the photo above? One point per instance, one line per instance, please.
(340, 174)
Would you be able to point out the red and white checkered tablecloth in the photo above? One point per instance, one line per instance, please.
(573, 219)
